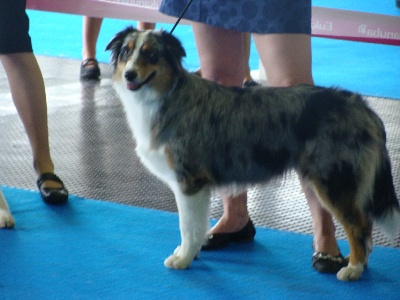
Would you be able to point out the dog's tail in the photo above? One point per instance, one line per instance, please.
(385, 208)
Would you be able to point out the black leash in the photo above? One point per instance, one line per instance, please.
(180, 17)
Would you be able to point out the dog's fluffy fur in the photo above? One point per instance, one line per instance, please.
(196, 135)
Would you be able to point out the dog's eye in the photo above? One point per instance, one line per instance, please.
(150, 55)
(125, 53)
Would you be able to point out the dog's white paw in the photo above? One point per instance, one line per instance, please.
(6, 219)
(178, 260)
(351, 272)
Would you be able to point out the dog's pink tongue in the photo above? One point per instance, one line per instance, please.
(132, 86)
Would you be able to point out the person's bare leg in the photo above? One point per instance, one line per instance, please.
(323, 226)
(28, 92)
(287, 61)
(90, 32)
(246, 50)
(223, 62)
(145, 25)
(235, 215)
(285, 57)
(246, 54)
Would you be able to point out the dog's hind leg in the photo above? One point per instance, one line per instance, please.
(193, 223)
(6, 219)
(359, 234)
(357, 226)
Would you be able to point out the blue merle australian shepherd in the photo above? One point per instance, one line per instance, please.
(196, 136)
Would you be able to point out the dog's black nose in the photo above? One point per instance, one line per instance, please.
(130, 75)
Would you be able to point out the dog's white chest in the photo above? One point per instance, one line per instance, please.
(140, 114)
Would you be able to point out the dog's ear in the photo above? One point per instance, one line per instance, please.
(116, 43)
(173, 49)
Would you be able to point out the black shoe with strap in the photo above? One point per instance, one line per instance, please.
(53, 196)
(327, 263)
(90, 69)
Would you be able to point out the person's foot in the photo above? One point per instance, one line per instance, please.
(326, 243)
(327, 257)
(217, 239)
(327, 263)
(52, 189)
(90, 69)
(230, 224)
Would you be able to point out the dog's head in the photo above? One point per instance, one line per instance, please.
(146, 58)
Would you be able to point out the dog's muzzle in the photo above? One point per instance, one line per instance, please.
(133, 84)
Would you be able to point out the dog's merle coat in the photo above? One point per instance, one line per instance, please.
(196, 135)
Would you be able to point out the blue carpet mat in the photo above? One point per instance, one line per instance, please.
(91, 249)
(369, 69)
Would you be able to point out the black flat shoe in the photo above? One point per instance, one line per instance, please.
(90, 69)
(326, 263)
(220, 240)
(54, 196)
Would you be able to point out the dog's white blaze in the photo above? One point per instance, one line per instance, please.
(130, 64)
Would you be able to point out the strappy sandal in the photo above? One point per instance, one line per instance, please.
(90, 69)
(327, 263)
(53, 196)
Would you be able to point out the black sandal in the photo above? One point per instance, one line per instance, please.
(90, 69)
(54, 196)
(327, 263)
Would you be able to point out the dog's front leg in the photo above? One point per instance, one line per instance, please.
(6, 219)
(193, 222)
